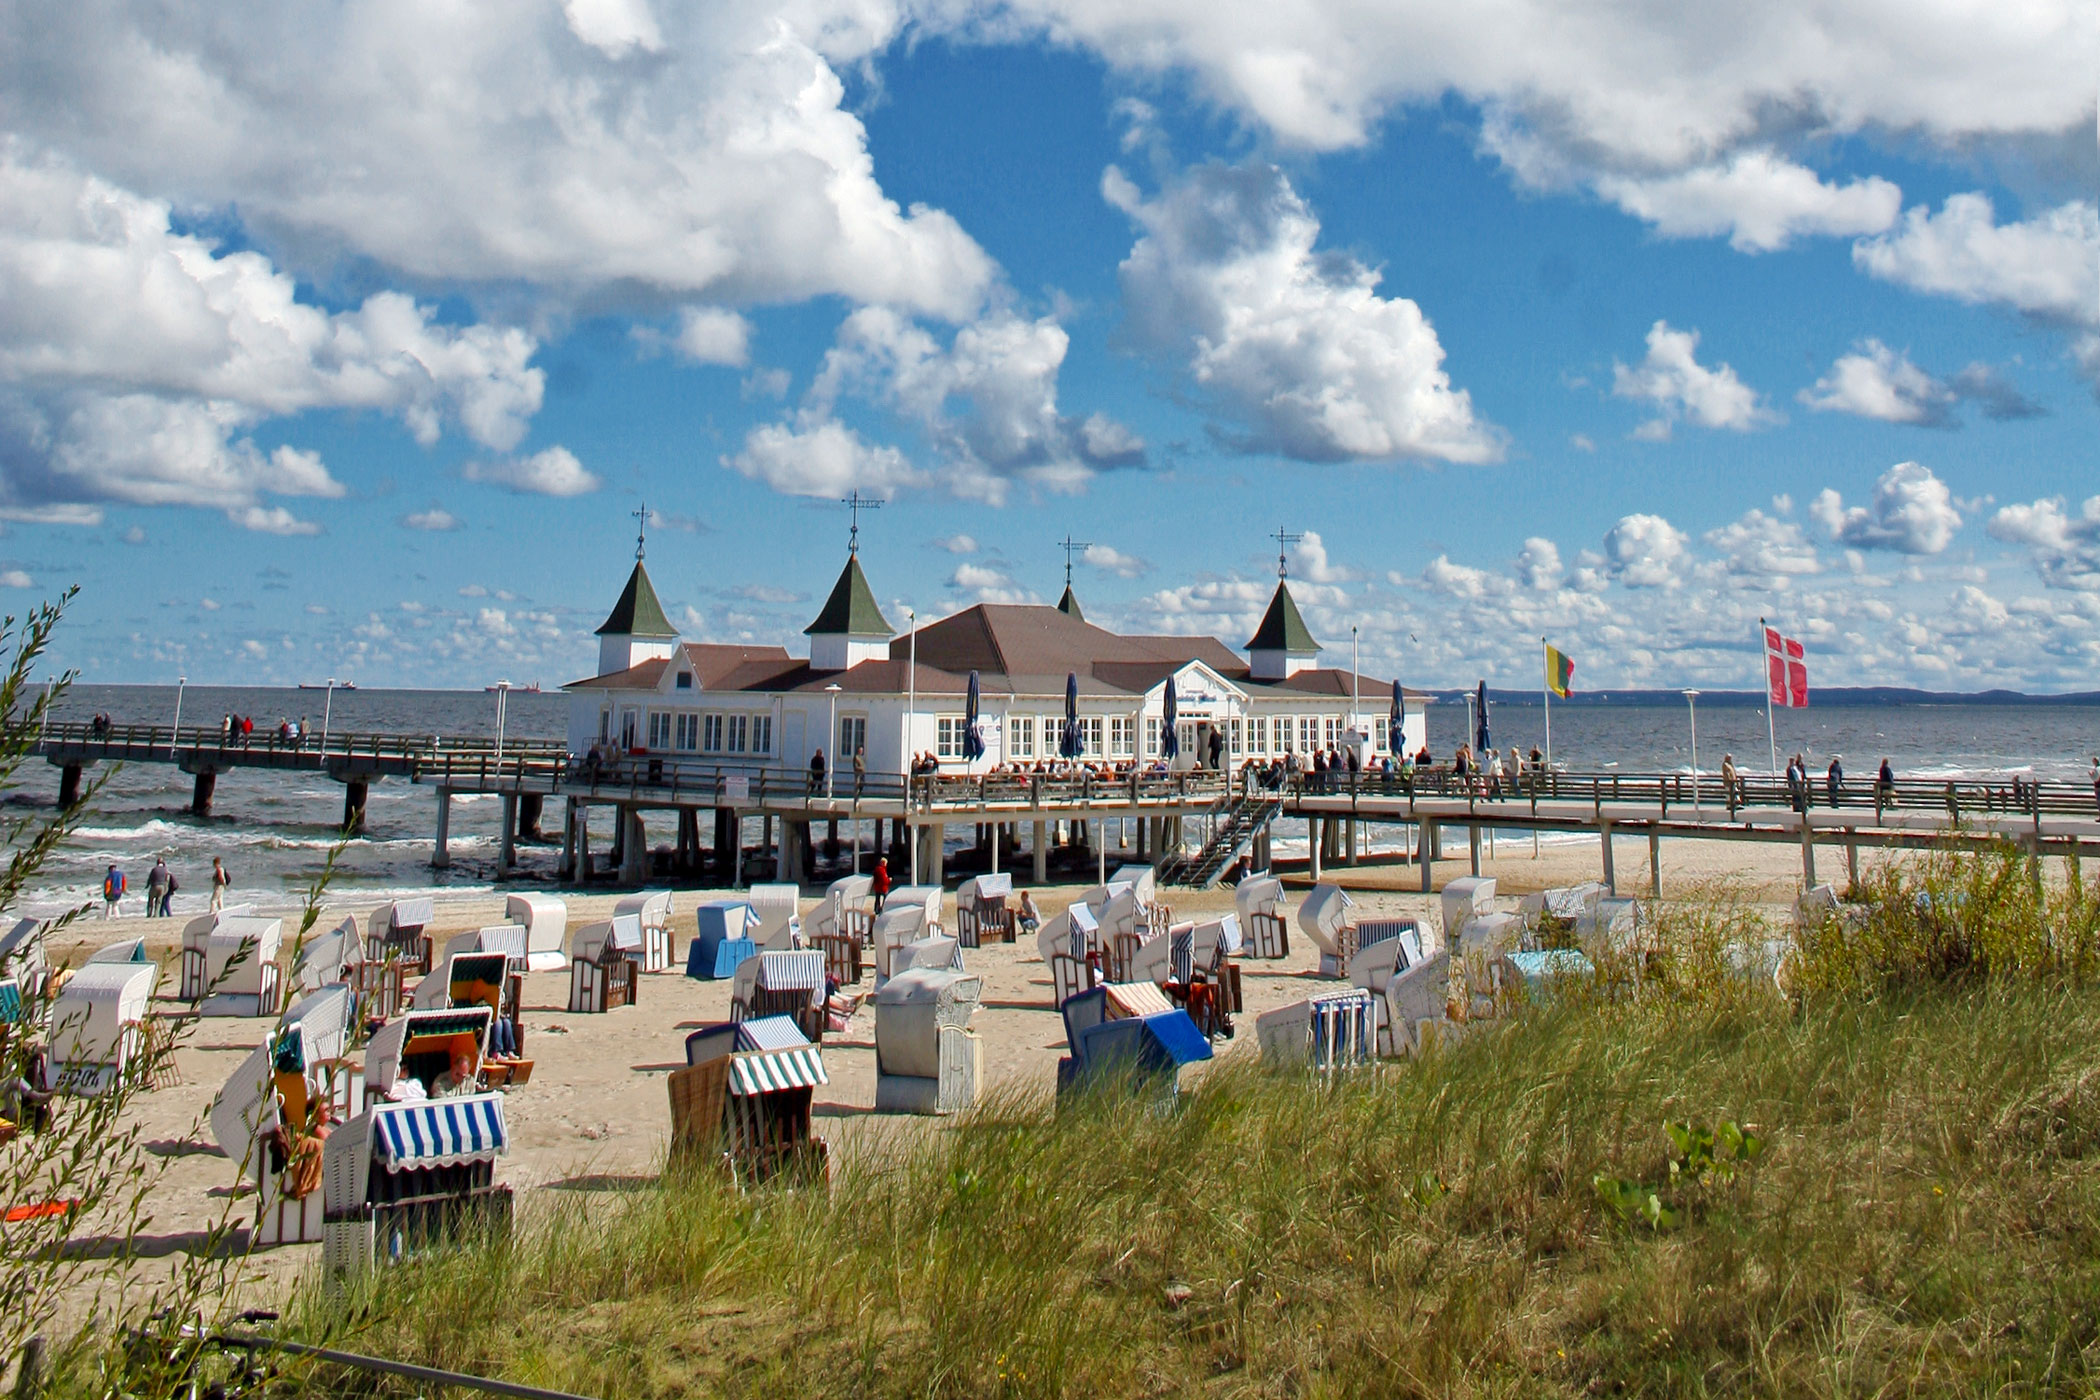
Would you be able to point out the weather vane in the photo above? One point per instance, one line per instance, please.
(641, 524)
(1284, 540)
(856, 503)
(1068, 545)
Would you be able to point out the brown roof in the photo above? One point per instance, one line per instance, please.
(710, 663)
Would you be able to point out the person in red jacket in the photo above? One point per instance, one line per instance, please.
(880, 885)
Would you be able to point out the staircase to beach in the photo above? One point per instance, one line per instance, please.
(1238, 821)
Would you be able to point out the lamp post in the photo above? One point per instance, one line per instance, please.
(1691, 701)
(181, 682)
(328, 711)
(502, 705)
(1356, 703)
(831, 769)
(911, 713)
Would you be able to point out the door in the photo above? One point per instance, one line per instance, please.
(792, 739)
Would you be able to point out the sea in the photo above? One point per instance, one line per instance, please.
(274, 830)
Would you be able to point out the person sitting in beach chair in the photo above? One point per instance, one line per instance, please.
(462, 1078)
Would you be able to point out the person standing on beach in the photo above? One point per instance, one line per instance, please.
(879, 884)
(113, 887)
(220, 880)
(158, 879)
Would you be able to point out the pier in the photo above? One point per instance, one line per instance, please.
(1198, 825)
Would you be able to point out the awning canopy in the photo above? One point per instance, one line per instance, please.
(767, 1072)
(440, 1132)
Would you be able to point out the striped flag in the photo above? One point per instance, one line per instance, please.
(1786, 671)
(1560, 671)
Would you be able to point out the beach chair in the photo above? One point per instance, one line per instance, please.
(1323, 917)
(927, 1060)
(1415, 1007)
(1260, 905)
(653, 909)
(418, 1046)
(13, 1009)
(781, 984)
(1144, 1054)
(98, 1026)
(895, 926)
(1076, 965)
(1336, 1030)
(395, 932)
(400, 1178)
(471, 977)
(274, 1098)
(980, 910)
(1467, 897)
(603, 964)
(23, 960)
(1537, 974)
(846, 910)
(1142, 880)
(773, 1073)
(1562, 917)
(545, 920)
(231, 969)
(721, 939)
(779, 918)
(124, 950)
(928, 897)
(323, 958)
(1479, 950)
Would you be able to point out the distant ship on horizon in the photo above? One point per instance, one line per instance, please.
(532, 689)
(339, 685)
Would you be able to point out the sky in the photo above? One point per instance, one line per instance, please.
(348, 340)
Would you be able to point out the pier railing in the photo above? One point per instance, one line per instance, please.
(148, 742)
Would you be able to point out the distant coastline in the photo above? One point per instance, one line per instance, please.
(1832, 697)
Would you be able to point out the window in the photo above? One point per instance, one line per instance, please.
(1020, 736)
(1308, 733)
(1090, 735)
(853, 736)
(948, 736)
(1119, 735)
(685, 680)
(627, 729)
(1187, 730)
(659, 729)
(1257, 734)
(1151, 736)
(711, 733)
(739, 732)
(604, 725)
(1235, 739)
(761, 734)
(688, 733)
(1334, 732)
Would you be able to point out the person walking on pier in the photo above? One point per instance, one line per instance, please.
(1731, 782)
(113, 887)
(2094, 774)
(159, 881)
(1834, 780)
(1885, 783)
(816, 771)
(860, 767)
(220, 880)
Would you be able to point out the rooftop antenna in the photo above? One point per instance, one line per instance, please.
(856, 503)
(1284, 540)
(1068, 544)
(641, 522)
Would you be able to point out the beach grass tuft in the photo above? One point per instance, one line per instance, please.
(1887, 1184)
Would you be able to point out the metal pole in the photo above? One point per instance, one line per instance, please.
(327, 712)
(831, 768)
(1546, 693)
(911, 712)
(502, 704)
(1356, 666)
(180, 683)
(1691, 700)
(1771, 735)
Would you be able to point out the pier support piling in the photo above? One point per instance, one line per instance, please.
(530, 805)
(1039, 849)
(507, 844)
(1473, 846)
(1611, 874)
(1655, 863)
(440, 847)
(1314, 837)
(201, 793)
(1808, 854)
(69, 785)
(354, 793)
(634, 847)
(567, 869)
(1852, 861)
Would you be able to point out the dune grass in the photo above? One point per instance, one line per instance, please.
(1924, 1217)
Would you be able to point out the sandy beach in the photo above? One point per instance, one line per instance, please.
(595, 1115)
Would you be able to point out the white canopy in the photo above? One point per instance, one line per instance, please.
(236, 953)
(97, 1003)
(546, 923)
(1259, 894)
(1322, 916)
(323, 957)
(652, 907)
(779, 919)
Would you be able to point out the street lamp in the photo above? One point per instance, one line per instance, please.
(831, 769)
(1691, 701)
(175, 736)
(328, 711)
(502, 704)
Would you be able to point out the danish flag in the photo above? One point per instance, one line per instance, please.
(1786, 671)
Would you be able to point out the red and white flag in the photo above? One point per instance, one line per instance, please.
(1786, 671)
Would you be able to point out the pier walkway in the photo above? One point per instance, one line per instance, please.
(1199, 824)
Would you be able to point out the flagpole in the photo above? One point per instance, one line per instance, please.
(1771, 734)
(1546, 691)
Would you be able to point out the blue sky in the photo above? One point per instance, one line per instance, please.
(345, 343)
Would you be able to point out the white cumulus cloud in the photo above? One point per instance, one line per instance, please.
(1877, 382)
(1295, 346)
(2065, 547)
(1646, 551)
(1760, 200)
(1111, 560)
(1765, 547)
(1911, 512)
(2048, 265)
(1671, 378)
(552, 471)
(710, 335)
(818, 456)
(437, 518)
